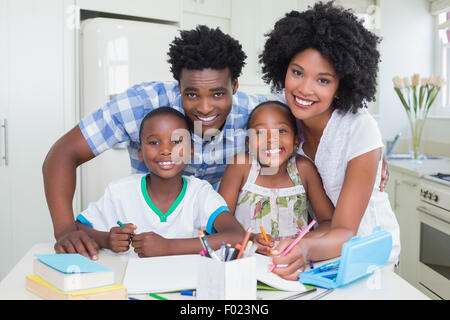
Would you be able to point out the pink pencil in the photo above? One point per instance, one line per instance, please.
(288, 249)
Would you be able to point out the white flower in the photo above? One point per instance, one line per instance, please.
(415, 80)
(398, 83)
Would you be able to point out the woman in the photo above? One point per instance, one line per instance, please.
(326, 62)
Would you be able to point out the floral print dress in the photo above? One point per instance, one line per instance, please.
(282, 212)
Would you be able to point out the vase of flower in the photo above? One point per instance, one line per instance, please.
(416, 140)
(417, 96)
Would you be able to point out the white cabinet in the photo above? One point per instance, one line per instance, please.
(5, 190)
(32, 103)
(213, 13)
(404, 191)
(251, 19)
(168, 10)
(217, 8)
(39, 99)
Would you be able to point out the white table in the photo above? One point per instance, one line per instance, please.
(384, 284)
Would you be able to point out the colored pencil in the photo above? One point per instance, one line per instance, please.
(154, 295)
(265, 236)
(244, 243)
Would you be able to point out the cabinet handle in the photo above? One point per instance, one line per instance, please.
(396, 184)
(5, 141)
(434, 215)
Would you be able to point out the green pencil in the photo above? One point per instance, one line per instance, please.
(154, 295)
(124, 226)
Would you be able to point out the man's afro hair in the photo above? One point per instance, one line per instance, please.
(340, 37)
(204, 48)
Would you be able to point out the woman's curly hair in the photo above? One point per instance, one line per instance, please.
(340, 37)
(203, 48)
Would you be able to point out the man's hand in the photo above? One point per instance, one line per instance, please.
(77, 242)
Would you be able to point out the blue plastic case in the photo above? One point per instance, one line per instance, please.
(360, 257)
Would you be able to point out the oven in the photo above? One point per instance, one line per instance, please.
(434, 244)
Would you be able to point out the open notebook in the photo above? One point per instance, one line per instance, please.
(179, 272)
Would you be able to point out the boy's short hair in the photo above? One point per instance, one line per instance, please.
(293, 120)
(168, 111)
(340, 37)
(205, 48)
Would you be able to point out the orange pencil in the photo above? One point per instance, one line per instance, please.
(265, 236)
(244, 243)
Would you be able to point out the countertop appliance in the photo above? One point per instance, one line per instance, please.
(434, 219)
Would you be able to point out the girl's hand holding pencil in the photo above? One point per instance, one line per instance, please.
(265, 243)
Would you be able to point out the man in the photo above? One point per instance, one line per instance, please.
(206, 65)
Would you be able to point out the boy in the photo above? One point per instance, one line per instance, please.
(166, 208)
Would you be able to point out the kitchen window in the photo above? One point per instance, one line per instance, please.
(442, 106)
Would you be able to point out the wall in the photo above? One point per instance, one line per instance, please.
(407, 29)
(406, 48)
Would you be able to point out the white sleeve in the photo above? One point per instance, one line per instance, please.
(364, 136)
(208, 205)
(100, 215)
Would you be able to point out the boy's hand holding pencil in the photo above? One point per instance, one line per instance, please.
(120, 237)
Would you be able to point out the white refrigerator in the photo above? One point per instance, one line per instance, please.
(115, 55)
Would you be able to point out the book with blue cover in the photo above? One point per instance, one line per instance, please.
(71, 272)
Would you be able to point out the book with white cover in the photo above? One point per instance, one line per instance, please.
(70, 272)
(161, 274)
(180, 272)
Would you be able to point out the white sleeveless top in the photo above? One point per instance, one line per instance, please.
(345, 137)
(282, 212)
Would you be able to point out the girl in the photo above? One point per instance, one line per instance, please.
(270, 185)
(327, 68)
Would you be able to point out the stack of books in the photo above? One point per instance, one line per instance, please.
(72, 277)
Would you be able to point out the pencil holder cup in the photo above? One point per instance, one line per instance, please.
(227, 280)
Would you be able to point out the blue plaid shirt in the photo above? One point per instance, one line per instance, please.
(119, 121)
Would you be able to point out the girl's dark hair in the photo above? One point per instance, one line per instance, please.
(292, 119)
(166, 111)
(203, 48)
(340, 37)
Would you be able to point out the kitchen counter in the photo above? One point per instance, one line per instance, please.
(420, 168)
(383, 284)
